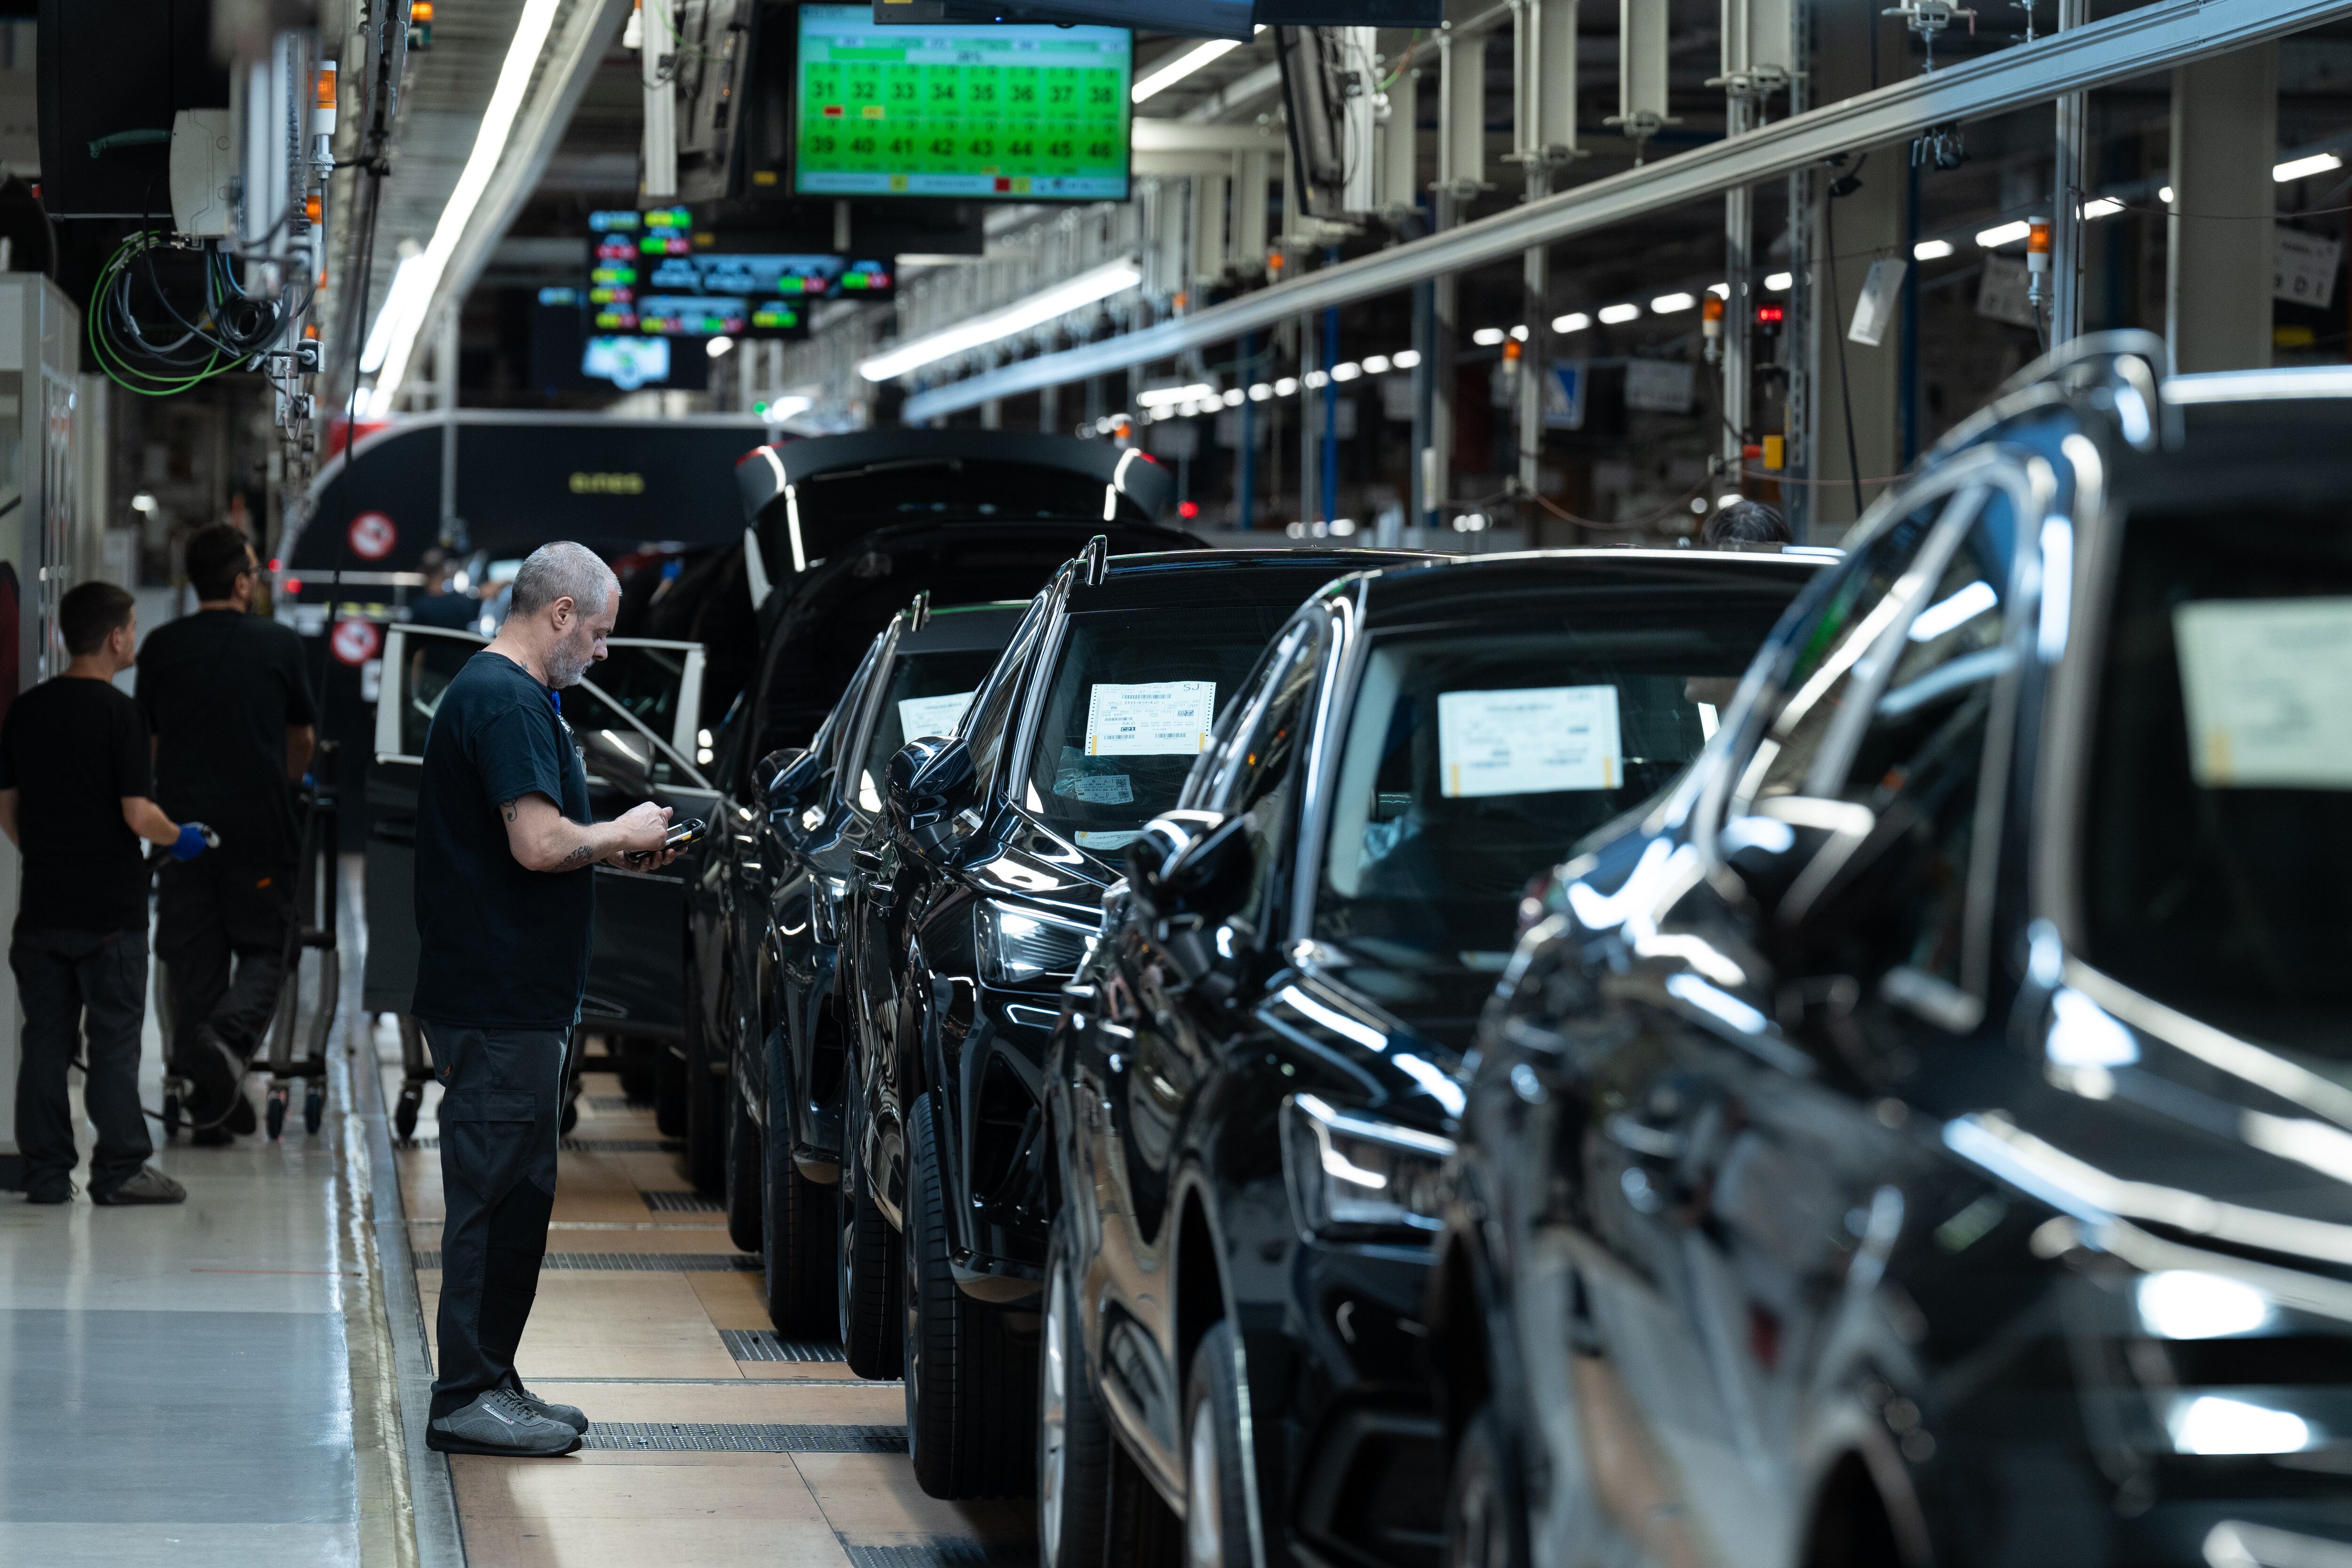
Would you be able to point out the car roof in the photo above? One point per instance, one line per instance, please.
(1229, 577)
(1493, 580)
(963, 628)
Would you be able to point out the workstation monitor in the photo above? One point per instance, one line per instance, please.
(1009, 113)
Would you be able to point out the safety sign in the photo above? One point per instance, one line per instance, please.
(356, 641)
(373, 536)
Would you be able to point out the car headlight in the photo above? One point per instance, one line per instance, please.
(1348, 1170)
(1018, 944)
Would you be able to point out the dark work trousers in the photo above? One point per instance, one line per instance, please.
(75, 986)
(210, 912)
(501, 1093)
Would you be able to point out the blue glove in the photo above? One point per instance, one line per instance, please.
(193, 840)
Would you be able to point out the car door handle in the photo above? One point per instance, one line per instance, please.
(1646, 1139)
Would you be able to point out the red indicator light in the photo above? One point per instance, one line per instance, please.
(1188, 509)
(293, 585)
(1768, 315)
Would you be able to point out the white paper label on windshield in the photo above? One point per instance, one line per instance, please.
(1103, 789)
(1530, 741)
(921, 716)
(1152, 719)
(1108, 840)
(2268, 687)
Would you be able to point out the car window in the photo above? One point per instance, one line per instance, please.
(2217, 829)
(922, 694)
(1133, 698)
(986, 720)
(614, 750)
(1258, 771)
(433, 663)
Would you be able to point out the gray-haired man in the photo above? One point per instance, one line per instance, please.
(504, 857)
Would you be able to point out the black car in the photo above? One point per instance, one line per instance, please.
(1254, 1088)
(845, 532)
(822, 808)
(969, 915)
(1927, 1137)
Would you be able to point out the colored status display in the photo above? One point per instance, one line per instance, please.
(1012, 112)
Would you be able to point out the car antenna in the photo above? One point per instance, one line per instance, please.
(1095, 559)
(920, 613)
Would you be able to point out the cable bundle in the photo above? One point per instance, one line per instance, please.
(167, 351)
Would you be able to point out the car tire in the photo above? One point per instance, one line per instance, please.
(706, 1107)
(1075, 1445)
(669, 1094)
(745, 1169)
(798, 1235)
(1484, 1525)
(1216, 1510)
(970, 1386)
(866, 1299)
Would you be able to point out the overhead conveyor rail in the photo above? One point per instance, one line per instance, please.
(2148, 39)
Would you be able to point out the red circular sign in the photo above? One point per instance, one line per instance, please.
(373, 536)
(356, 641)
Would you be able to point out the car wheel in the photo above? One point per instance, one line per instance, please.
(706, 1109)
(798, 1235)
(669, 1094)
(866, 1301)
(1216, 1517)
(1074, 1436)
(1484, 1527)
(744, 1169)
(969, 1385)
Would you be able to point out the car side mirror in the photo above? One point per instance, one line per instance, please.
(788, 775)
(932, 783)
(1791, 848)
(1187, 873)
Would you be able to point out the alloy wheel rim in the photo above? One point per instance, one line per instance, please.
(1052, 1420)
(1204, 1519)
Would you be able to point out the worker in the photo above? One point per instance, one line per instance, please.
(444, 602)
(226, 694)
(75, 799)
(1747, 521)
(505, 851)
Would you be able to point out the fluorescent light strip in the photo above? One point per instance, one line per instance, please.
(2304, 168)
(2003, 233)
(405, 279)
(1084, 290)
(538, 19)
(1183, 66)
(1931, 250)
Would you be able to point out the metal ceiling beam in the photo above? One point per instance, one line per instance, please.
(2153, 37)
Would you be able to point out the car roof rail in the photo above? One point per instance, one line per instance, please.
(2120, 373)
(920, 613)
(1094, 561)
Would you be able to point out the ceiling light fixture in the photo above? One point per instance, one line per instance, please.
(2304, 168)
(1574, 322)
(1668, 304)
(1099, 283)
(1931, 250)
(1167, 76)
(1617, 315)
(1994, 238)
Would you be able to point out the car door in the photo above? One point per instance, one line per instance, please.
(1175, 1033)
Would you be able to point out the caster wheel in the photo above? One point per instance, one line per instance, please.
(314, 1107)
(170, 1115)
(571, 1117)
(403, 1114)
(276, 1114)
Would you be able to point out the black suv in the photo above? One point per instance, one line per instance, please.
(1928, 1138)
(1254, 1086)
(824, 807)
(970, 916)
(845, 531)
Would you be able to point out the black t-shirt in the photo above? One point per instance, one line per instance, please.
(499, 947)
(71, 749)
(220, 689)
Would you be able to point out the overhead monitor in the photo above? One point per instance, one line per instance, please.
(627, 363)
(1010, 113)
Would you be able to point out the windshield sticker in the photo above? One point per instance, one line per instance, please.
(1102, 789)
(1151, 718)
(2268, 687)
(1108, 840)
(1529, 741)
(921, 716)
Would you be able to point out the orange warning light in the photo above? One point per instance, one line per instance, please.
(325, 86)
(312, 208)
(2037, 236)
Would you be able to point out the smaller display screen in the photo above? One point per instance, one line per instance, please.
(1015, 113)
(627, 363)
(653, 273)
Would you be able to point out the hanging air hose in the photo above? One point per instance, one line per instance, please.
(146, 341)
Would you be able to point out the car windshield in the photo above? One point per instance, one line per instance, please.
(926, 695)
(1132, 702)
(2217, 838)
(1475, 757)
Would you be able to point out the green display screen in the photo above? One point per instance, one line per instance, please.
(1014, 112)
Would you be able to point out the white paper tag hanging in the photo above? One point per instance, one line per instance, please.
(2268, 687)
(921, 716)
(1873, 311)
(1533, 741)
(1150, 718)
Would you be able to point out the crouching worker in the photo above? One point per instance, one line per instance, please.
(75, 797)
(505, 859)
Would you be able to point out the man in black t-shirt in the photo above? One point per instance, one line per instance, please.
(225, 695)
(505, 855)
(443, 604)
(74, 798)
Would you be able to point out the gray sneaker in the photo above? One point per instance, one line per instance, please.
(500, 1422)
(145, 1185)
(572, 1416)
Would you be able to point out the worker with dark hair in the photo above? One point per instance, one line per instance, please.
(1746, 521)
(226, 693)
(74, 797)
(444, 602)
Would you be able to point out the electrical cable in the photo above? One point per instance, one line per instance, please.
(1845, 379)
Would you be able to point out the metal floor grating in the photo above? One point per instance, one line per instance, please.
(617, 1102)
(682, 1202)
(711, 1437)
(761, 1344)
(938, 1554)
(587, 1145)
(639, 1263)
